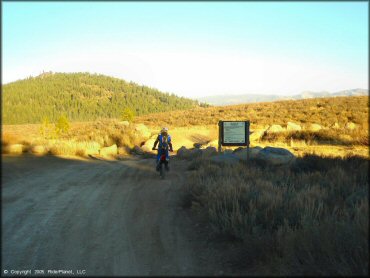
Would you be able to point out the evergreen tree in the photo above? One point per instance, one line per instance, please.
(127, 115)
(62, 125)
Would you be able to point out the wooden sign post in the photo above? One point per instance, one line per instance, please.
(219, 136)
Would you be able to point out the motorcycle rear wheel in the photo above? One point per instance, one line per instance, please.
(161, 171)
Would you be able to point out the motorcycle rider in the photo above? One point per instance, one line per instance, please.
(164, 140)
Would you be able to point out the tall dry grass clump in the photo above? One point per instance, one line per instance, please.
(307, 219)
(88, 138)
(79, 139)
(106, 132)
(8, 139)
(70, 147)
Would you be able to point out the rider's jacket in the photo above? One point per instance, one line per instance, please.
(163, 140)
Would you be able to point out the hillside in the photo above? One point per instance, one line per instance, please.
(327, 125)
(82, 97)
(250, 98)
(323, 111)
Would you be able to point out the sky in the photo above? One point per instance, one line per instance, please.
(193, 49)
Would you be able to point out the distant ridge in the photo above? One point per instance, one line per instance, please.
(252, 98)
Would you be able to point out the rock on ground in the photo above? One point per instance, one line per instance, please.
(124, 151)
(275, 156)
(256, 135)
(143, 131)
(242, 153)
(209, 151)
(213, 143)
(274, 128)
(185, 153)
(293, 126)
(197, 145)
(194, 153)
(108, 151)
(14, 149)
(137, 150)
(39, 150)
(125, 123)
(315, 127)
(92, 148)
(350, 125)
(147, 147)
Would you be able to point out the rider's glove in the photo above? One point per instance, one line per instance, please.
(153, 148)
(171, 150)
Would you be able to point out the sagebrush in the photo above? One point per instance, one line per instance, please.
(307, 219)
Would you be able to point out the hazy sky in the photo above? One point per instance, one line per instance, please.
(193, 49)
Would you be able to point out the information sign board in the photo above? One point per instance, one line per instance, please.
(234, 133)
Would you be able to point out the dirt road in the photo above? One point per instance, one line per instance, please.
(108, 218)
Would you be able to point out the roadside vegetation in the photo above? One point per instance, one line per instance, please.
(310, 218)
(81, 139)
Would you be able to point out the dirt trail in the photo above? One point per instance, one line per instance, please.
(108, 218)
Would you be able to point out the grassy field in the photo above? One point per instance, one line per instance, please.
(323, 111)
(311, 218)
(343, 122)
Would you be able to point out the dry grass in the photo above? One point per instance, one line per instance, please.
(79, 148)
(106, 132)
(307, 219)
(343, 137)
(11, 138)
(8, 139)
(82, 139)
(200, 125)
(323, 111)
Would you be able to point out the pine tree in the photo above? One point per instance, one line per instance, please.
(62, 125)
(127, 115)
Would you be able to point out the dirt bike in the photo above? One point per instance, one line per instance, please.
(163, 162)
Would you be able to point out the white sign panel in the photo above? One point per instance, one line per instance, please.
(234, 132)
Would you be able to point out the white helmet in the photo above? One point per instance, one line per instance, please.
(165, 129)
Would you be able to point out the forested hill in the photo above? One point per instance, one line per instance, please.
(81, 97)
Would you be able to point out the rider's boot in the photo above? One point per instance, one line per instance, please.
(157, 167)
